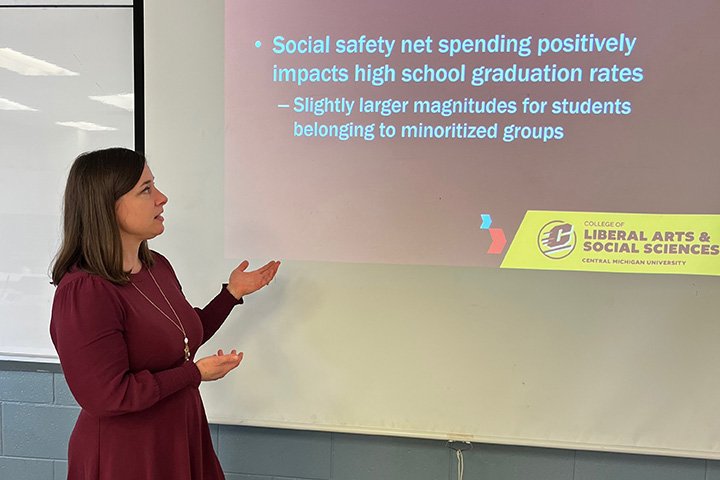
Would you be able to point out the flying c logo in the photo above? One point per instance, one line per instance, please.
(557, 239)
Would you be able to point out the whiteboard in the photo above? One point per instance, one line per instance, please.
(93, 47)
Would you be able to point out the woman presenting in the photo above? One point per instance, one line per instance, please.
(125, 334)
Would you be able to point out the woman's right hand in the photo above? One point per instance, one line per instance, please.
(217, 366)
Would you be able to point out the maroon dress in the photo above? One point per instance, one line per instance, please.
(142, 417)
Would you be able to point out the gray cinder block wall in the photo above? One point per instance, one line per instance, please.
(37, 413)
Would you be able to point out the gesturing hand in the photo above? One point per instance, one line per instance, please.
(217, 366)
(242, 283)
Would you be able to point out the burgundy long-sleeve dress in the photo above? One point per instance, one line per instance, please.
(142, 417)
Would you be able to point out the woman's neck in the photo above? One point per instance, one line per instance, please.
(131, 257)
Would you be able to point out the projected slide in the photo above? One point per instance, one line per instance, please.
(532, 134)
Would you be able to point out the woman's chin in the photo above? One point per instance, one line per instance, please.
(158, 231)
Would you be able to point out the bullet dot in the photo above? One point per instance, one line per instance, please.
(258, 44)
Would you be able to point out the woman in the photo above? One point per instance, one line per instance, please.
(125, 334)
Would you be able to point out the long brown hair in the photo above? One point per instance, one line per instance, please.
(91, 235)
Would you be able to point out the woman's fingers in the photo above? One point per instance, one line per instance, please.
(217, 366)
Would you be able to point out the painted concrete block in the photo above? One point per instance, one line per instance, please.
(63, 395)
(601, 466)
(25, 469)
(515, 463)
(359, 457)
(60, 470)
(19, 386)
(273, 452)
(37, 431)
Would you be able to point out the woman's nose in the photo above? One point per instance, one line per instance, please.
(162, 198)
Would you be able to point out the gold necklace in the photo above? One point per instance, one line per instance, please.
(177, 324)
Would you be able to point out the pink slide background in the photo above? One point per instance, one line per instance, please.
(419, 201)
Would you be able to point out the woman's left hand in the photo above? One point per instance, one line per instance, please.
(243, 283)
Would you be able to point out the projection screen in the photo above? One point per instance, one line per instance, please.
(497, 220)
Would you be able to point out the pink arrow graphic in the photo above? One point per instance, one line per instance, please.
(498, 241)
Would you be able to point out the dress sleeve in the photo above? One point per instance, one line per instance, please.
(88, 333)
(215, 312)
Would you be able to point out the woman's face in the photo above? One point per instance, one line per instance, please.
(139, 211)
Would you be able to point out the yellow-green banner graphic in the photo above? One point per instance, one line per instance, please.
(617, 242)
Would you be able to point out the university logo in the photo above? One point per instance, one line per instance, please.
(557, 239)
